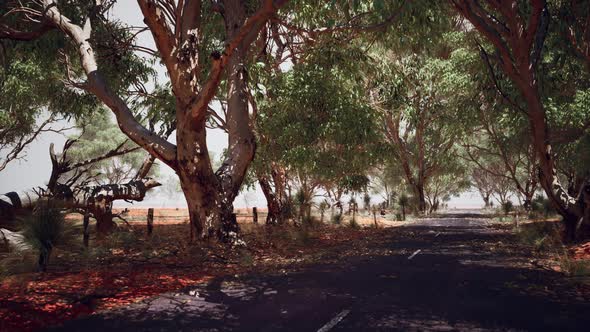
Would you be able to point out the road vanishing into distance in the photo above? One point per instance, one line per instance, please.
(453, 273)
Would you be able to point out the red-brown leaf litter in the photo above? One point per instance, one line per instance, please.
(51, 298)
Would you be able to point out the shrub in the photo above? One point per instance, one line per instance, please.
(354, 224)
(403, 202)
(18, 262)
(541, 236)
(245, 258)
(310, 220)
(507, 207)
(45, 229)
(337, 219)
(121, 239)
(542, 205)
(323, 206)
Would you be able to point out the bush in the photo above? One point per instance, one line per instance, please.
(541, 205)
(310, 221)
(121, 239)
(337, 219)
(354, 224)
(45, 229)
(507, 207)
(322, 207)
(17, 263)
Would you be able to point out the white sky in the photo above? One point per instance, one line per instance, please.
(35, 169)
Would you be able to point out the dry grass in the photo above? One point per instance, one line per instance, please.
(545, 237)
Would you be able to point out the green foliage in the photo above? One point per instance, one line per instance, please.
(403, 200)
(337, 219)
(507, 207)
(100, 135)
(33, 77)
(367, 201)
(422, 98)
(314, 119)
(47, 228)
(541, 205)
(354, 224)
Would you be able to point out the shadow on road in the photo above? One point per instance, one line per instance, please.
(473, 278)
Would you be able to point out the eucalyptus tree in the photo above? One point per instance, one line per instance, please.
(500, 146)
(517, 31)
(197, 42)
(484, 183)
(319, 122)
(315, 26)
(34, 99)
(450, 180)
(421, 98)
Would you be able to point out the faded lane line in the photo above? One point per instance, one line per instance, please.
(329, 325)
(415, 253)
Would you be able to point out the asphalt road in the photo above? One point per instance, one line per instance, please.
(444, 274)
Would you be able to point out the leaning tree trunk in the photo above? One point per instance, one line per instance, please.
(419, 190)
(274, 215)
(519, 55)
(571, 209)
(241, 140)
(197, 179)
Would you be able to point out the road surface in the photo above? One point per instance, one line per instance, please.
(444, 274)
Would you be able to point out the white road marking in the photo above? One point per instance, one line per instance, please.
(415, 253)
(329, 325)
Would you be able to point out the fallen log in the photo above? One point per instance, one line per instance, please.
(96, 199)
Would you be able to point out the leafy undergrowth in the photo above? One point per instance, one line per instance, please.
(128, 267)
(545, 237)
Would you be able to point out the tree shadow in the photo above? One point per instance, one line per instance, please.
(456, 282)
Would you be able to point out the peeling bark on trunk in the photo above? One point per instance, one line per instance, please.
(209, 195)
(241, 140)
(197, 179)
(419, 190)
(274, 215)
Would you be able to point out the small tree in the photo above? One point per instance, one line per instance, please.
(403, 203)
(323, 206)
(507, 207)
(367, 203)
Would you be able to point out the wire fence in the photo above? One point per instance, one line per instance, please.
(181, 215)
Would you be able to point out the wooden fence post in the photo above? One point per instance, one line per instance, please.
(255, 215)
(150, 221)
(375, 217)
(86, 228)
